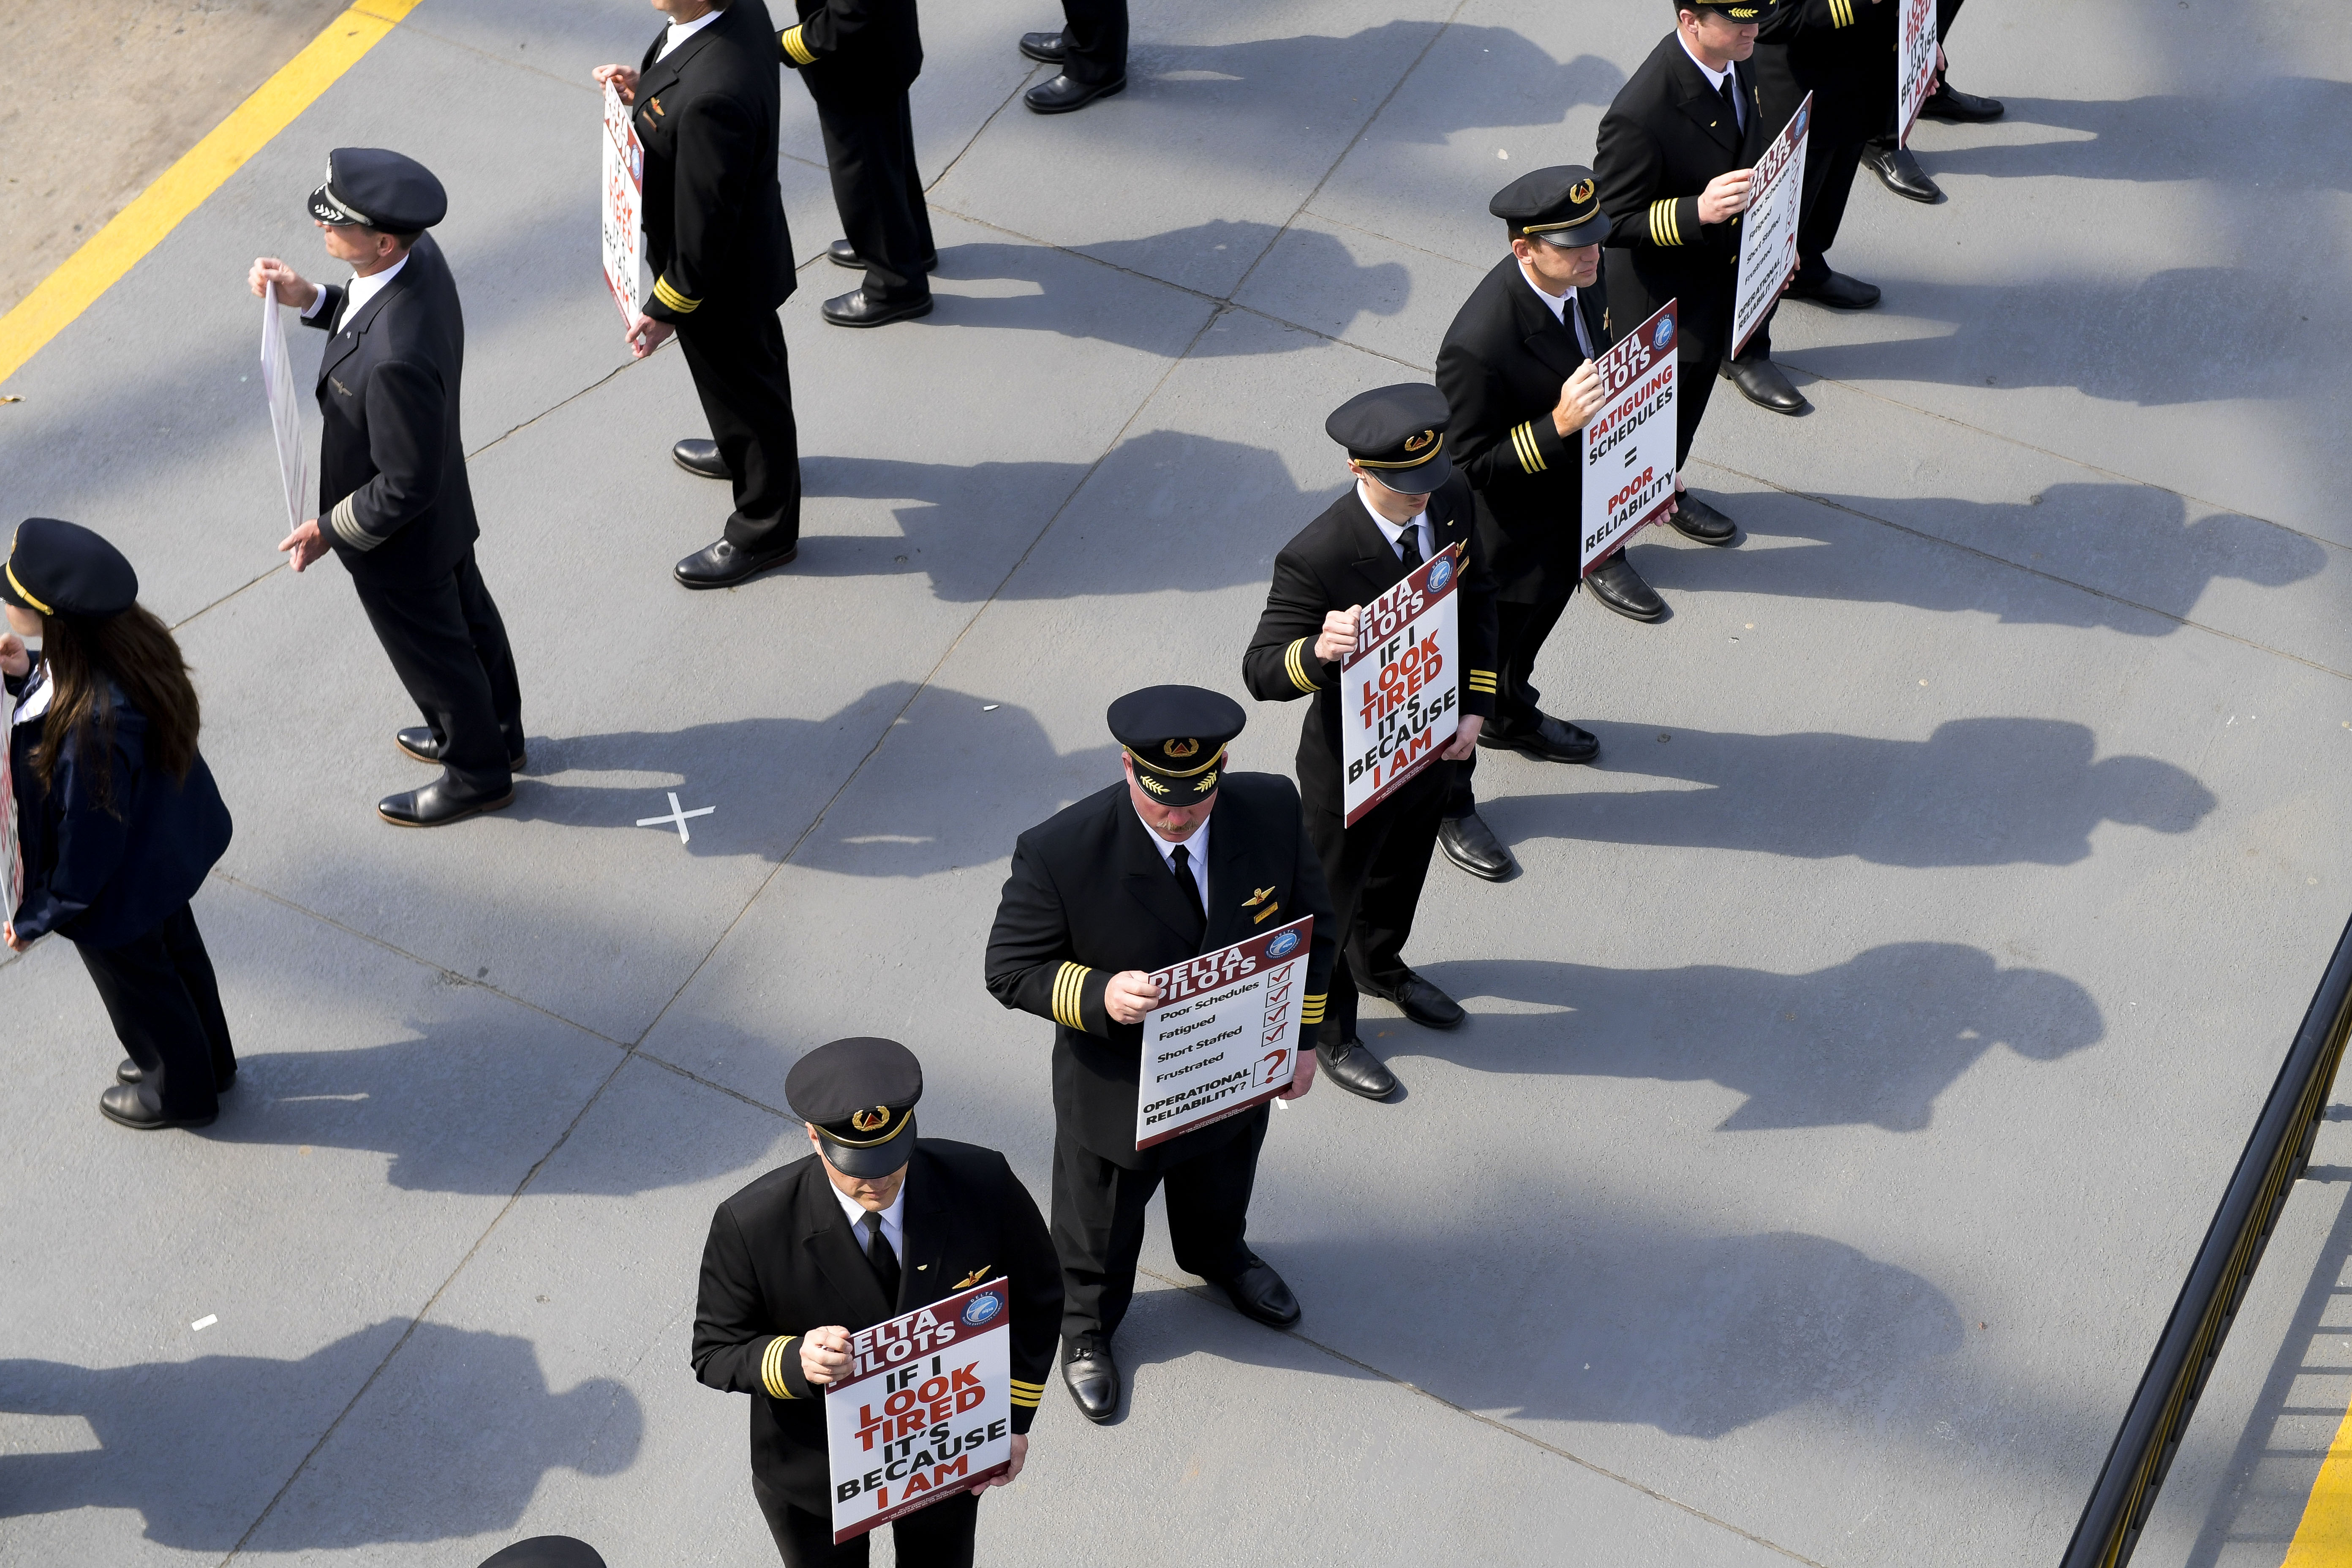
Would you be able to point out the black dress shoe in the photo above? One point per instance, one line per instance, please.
(1620, 588)
(1838, 291)
(1259, 1293)
(1551, 741)
(1763, 384)
(722, 565)
(1694, 519)
(1953, 107)
(437, 806)
(1470, 844)
(122, 1106)
(1417, 999)
(1353, 1068)
(419, 742)
(1092, 1378)
(697, 455)
(1899, 172)
(859, 308)
(1045, 49)
(841, 253)
(128, 1071)
(1065, 93)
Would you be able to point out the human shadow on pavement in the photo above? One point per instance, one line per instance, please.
(2256, 136)
(1977, 792)
(187, 1442)
(1873, 1041)
(2133, 540)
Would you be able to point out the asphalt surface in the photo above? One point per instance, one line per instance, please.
(1852, 1070)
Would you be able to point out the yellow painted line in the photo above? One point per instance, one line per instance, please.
(2324, 1539)
(134, 231)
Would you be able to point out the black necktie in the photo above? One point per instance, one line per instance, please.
(1409, 545)
(1730, 92)
(884, 1261)
(1183, 858)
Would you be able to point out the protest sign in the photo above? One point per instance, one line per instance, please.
(285, 412)
(625, 222)
(1400, 691)
(1914, 61)
(926, 1411)
(1225, 1035)
(1768, 237)
(1628, 445)
(12, 858)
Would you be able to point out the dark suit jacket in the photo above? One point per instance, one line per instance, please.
(392, 496)
(783, 1258)
(1840, 51)
(99, 877)
(1339, 561)
(848, 49)
(715, 230)
(1500, 367)
(1663, 138)
(1088, 896)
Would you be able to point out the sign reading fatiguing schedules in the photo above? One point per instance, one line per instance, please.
(926, 1411)
(1768, 237)
(1225, 1035)
(1629, 447)
(1400, 691)
(285, 412)
(1915, 60)
(625, 223)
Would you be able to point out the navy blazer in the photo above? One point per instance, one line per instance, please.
(102, 879)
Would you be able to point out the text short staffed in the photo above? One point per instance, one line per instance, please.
(926, 1411)
(1225, 1035)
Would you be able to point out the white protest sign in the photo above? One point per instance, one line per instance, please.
(1225, 1035)
(625, 222)
(926, 1411)
(12, 859)
(1915, 60)
(1768, 237)
(1400, 691)
(285, 410)
(1629, 447)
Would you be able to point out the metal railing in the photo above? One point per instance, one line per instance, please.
(2169, 1390)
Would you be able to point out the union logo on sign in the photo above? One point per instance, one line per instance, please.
(1283, 946)
(981, 1310)
(1665, 334)
(1440, 574)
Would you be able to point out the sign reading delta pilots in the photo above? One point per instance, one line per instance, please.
(1915, 60)
(1225, 1035)
(625, 219)
(926, 1411)
(1629, 447)
(1767, 237)
(1400, 691)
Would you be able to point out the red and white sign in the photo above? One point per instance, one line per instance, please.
(1400, 691)
(1768, 235)
(624, 201)
(1915, 60)
(1629, 447)
(1225, 1035)
(926, 1411)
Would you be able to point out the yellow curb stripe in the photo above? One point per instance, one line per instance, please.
(2324, 1537)
(156, 211)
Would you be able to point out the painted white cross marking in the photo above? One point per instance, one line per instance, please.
(678, 815)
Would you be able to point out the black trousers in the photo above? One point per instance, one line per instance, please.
(1829, 181)
(736, 358)
(1098, 1209)
(160, 992)
(869, 150)
(1375, 870)
(938, 1536)
(449, 648)
(1520, 631)
(1705, 339)
(1093, 40)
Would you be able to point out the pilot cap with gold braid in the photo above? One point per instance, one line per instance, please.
(1399, 433)
(859, 1094)
(1737, 10)
(1560, 206)
(63, 569)
(1176, 737)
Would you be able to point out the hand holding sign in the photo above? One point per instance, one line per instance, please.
(1337, 638)
(1128, 995)
(1581, 397)
(824, 1354)
(1726, 197)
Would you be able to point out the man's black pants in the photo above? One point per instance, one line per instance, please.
(160, 992)
(736, 358)
(1374, 871)
(869, 149)
(449, 648)
(938, 1536)
(1093, 40)
(1521, 630)
(1098, 1211)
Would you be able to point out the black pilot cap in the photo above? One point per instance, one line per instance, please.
(1399, 433)
(546, 1551)
(380, 190)
(1176, 736)
(1558, 205)
(859, 1094)
(63, 569)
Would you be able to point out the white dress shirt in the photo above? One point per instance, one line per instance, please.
(1395, 532)
(677, 33)
(894, 1227)
(1196, 847)
(34, 701)
(1558, 305)
(1715, 78)
(358, 292)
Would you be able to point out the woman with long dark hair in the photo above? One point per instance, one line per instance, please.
(117, 814)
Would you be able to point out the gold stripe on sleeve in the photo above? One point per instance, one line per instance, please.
(794, 46)
(771, 1366)
(1069, 996)
(669, 295)
(1294, 659)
